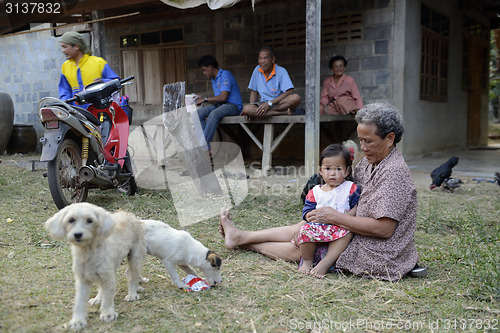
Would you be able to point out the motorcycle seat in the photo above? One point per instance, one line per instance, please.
(90, 117)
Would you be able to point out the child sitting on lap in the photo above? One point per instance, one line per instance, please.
(337, 193)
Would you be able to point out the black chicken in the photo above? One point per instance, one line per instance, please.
(442, 172)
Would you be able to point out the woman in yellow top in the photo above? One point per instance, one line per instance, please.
(81, 68)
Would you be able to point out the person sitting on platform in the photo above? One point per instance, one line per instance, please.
(340, 93)
(226, 101)
(274, 86)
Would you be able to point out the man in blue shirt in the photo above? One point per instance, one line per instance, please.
(226, 101)
(274, 86)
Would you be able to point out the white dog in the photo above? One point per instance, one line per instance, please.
(99, 242)
(178, 247)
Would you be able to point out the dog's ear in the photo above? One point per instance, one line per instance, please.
(55, 225)
(106, 222)
(213, 259)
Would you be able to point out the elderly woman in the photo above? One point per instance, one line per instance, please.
(340, 93)
(383, 246)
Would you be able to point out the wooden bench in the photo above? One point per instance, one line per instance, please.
(269, 144)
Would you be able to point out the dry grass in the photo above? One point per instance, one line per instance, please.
(457, 238)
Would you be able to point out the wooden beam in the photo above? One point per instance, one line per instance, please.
(286, 119)
(88, 6)
(68, 11)
(68, 25)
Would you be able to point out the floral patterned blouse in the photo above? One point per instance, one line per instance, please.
(387, 190)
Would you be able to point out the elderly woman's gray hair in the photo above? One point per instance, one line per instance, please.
(385, 117)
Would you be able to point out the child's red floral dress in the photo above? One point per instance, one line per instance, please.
(341, 198)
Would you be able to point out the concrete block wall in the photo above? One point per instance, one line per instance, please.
(369, 59)
(30, 70)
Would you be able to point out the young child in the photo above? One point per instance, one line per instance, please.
(340, 194)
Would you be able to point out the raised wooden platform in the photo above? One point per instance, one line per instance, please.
(269, 144)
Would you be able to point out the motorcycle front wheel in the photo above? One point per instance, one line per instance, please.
(62, 172)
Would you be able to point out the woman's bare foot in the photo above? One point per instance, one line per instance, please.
(228, 230)
(306, 266)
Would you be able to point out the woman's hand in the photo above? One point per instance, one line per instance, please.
(383, 227)
(322, 215)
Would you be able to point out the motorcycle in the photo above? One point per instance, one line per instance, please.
(86, 148)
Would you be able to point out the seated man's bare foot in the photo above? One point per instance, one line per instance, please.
(289, 112)
(306, 266)
(228, 230)
(247, 117)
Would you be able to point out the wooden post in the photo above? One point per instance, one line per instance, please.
(98, 34)
(313, 52)
(267, 154)
(175, 119)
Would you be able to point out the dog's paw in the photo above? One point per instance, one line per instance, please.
(76, 324)
(140, 289)
(94, 301)
(108, 316)
(131, 298)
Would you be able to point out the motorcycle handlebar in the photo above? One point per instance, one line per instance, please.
(131, 77)
(72, 99)
(78, 98)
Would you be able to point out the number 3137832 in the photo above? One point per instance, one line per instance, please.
(33, 8)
